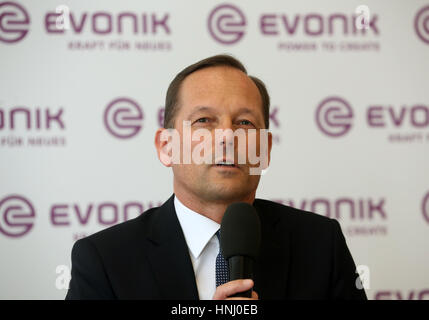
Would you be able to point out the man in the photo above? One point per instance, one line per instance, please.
(172, 252)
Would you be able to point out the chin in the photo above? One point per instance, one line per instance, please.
(227, 191)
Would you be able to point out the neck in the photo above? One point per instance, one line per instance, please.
(213, 210)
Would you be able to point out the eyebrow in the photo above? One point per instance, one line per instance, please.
(240, 111)
(245, 110)
(200, 109)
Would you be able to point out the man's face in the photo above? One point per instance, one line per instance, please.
(219, 98)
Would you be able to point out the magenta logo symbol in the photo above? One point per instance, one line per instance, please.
(334, 116)
(421, 24)
(16, 216)
(14, 21)
(226, 24)
(123, 118)
(425, 207)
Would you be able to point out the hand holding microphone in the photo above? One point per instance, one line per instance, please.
(240, 239)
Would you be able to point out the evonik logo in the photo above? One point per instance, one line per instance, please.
(17, 216)
(14, 22)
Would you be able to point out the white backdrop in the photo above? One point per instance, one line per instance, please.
(80, 101)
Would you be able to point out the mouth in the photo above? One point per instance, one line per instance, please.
(225, 164)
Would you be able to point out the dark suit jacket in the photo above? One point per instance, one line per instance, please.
(303, 256)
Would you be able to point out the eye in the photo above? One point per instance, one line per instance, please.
(245, 122)
(203, 120)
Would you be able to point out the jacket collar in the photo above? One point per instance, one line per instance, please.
(168, 254)
(197, 229)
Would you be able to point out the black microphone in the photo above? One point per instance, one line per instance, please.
(240, 241)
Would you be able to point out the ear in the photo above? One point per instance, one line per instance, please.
(163, 147)
(270, 144)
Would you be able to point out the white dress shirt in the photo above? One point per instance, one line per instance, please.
(203, 245)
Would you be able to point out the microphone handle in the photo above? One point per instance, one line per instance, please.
(241, 267)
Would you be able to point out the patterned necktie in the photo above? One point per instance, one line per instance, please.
(222, 270)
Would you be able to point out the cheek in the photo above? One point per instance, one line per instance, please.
(183, 171)
(258, 147)
(203, 149)
(253, 181)
(189, 172)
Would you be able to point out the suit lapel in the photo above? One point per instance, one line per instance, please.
(168, 255)
(271, 270)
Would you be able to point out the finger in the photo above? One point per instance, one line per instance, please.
(254, 297)
(232, 287)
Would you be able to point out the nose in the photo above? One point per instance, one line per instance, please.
(226, 133)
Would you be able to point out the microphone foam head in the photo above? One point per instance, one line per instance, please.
(240, 231)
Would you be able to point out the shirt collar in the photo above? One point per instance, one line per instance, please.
(197, 229)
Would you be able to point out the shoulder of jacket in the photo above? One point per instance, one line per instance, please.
(291, 214)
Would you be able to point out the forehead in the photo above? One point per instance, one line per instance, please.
(219, 87)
